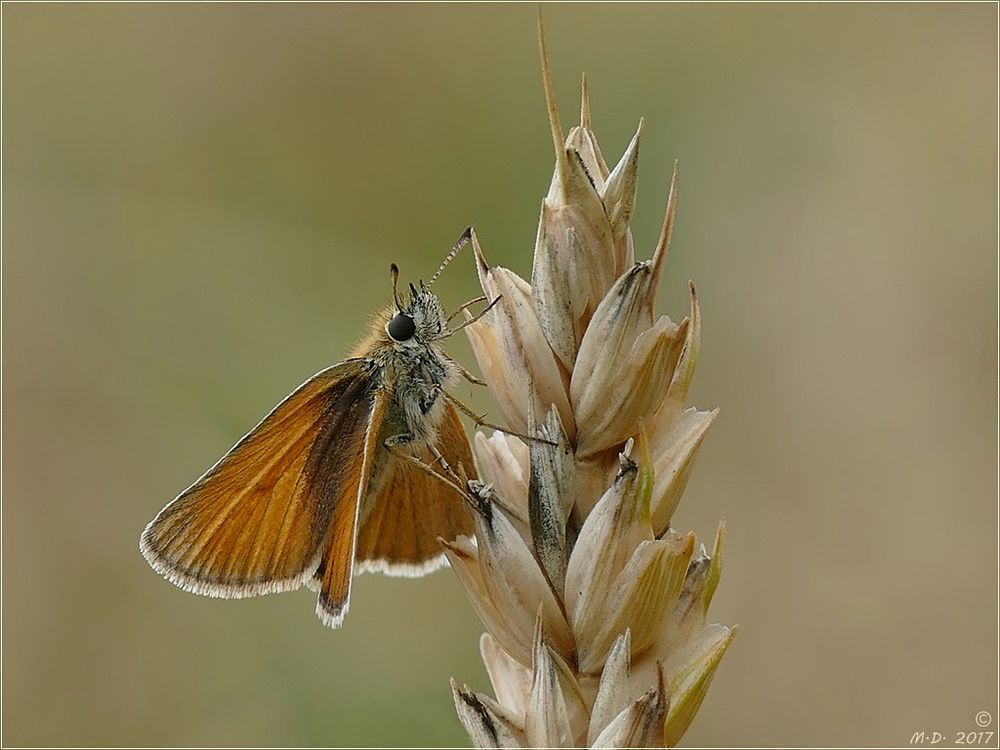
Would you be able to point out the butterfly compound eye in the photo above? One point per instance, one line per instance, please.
(401, 327)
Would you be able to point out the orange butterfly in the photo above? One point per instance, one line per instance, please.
(338, 473)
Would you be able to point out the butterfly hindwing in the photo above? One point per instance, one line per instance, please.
(409, 509)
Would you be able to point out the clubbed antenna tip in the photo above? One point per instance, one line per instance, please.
(394, 275)
(459, 244)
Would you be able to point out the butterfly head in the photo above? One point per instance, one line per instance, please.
(420, 319)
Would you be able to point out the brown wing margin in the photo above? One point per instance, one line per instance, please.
(411, 509)
(333, 579)
(256, 521)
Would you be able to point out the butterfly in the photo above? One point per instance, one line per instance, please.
(349, 473)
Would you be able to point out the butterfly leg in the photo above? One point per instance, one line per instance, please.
(466, 306)
(439, 459)
(480, 421)
(463, 372)
(470, 377)
(469, 321)
(394, 445)
(404, 439)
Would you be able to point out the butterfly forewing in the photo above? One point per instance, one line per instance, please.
(257, 521)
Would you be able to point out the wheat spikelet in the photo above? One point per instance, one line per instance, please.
(595, 607)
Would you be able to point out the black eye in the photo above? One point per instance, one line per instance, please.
(401, 327)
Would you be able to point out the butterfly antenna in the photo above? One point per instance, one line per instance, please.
(462, 242)
(394, 273)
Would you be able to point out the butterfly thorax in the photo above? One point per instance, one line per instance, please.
(419, 375)
(414, 371)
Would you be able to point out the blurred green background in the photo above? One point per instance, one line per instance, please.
(200, 205)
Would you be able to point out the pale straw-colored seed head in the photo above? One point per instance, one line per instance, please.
(596, 609)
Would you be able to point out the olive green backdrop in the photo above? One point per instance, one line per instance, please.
(200, 204)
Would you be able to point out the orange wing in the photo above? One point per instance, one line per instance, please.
(409, 509)
(256, 521)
